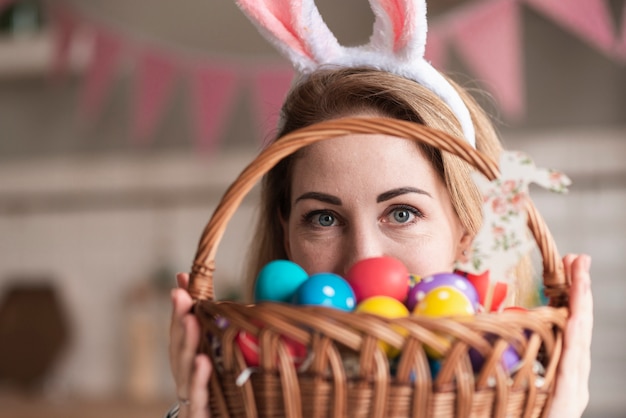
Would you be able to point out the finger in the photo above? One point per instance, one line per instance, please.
(580, 323)
(199, 393)
(572, 391)
(567, 265)
(186, 354)
(181, 306)
(182, 280)
(181, 303)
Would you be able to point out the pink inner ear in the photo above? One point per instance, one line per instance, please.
(396, 10)
(275, 16)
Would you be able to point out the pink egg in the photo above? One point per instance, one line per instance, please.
(379, 276)
(419, 291)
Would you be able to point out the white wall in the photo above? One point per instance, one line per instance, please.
(99, 242)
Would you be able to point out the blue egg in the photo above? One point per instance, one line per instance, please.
(435, 366)
(326, 289)
(278, 280)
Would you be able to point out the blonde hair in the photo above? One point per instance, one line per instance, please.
(332, 93)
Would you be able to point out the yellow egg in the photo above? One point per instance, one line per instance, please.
(444, 301)
(386, 307)
(441, 302)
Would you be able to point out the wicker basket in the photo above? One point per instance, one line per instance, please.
(326, 388)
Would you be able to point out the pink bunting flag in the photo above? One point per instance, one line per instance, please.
(5, 3)
(621, 47)
(488, 37)
(213, 90)
(589, 19)
(154, 81)
(100, 73)
(65, 25)
(270, 87)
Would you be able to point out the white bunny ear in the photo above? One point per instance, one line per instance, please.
(400, 27)
(397, 45)
(296, 29)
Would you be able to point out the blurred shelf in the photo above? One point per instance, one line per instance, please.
(28, 55)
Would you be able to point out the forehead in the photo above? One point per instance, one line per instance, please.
(377, 159)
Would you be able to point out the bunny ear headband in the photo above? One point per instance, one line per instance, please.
(397, 44)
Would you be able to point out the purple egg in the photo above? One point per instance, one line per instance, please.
(509, 360)
(428, 283)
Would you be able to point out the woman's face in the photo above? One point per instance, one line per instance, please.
(359, 196)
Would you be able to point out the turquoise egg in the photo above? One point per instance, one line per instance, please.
(326, 289)
(278, 280)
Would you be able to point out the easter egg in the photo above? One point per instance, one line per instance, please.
(386, 307)
(249, 345)
(419, 291)
(278, 280)
(326, 289)
(440, 302)
(481, 283)
(379, 276)
(509, 360)
(445, 301)
(435, 366)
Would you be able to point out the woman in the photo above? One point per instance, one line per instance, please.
(350, 198)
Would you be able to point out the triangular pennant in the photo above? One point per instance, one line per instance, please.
(270, 86)
(589, 19)
(65, 25)
(154, 81)
(437, 47)
(100, 73)
(621, 47)
(489, 40)
(213, 90)
(5, 3)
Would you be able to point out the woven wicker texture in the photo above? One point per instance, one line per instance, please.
(347, 375)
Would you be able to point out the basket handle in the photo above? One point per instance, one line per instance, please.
(201, 276)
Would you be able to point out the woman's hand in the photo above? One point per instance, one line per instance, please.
(572, 384)
(191, 371)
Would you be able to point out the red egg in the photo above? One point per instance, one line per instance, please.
(249, 345)
(379, 276)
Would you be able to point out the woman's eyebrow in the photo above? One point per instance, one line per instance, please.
(322, 197)
(400, 191)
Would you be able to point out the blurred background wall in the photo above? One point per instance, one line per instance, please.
(103, 194)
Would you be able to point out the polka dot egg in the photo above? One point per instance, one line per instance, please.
(326, 289)
(445, 301)
(419, 290)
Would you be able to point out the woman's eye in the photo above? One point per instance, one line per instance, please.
(325, 219)
(403, 215)
(320, 218)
